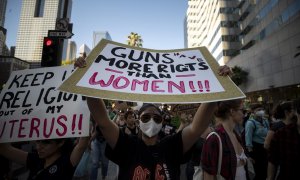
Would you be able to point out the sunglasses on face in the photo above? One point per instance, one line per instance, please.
(146, 117)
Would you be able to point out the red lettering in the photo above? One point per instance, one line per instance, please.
(140, 173)
(135, 81)
(40, 128)
(157, 173)
(21, 127)
(47, 135)
(64, 131)
(34, 127)
(80, 124)
(122, 82)
(180, 87)
(93, 81)
(116, 82)
(12, 126)
(155, 86)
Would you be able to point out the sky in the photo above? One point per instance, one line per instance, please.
(159, 22)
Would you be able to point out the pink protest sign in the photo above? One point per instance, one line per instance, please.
(32, 108)
(121, 72)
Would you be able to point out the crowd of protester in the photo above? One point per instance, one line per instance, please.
(146, 144)
(270, 141)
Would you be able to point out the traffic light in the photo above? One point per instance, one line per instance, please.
(51, 52)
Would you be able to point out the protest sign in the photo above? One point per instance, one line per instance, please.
(121, 72)
(32, 108)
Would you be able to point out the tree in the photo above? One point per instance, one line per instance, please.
(134, 39)
(67, 62)
(239, 75)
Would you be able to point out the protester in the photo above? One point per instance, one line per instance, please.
(98, 145)
(256, 130)
(284, 149)
(228, 114)
(130, 127)
(119, 119)
(54, 159)
(167, 128)
(146, 157)
(285, 114)
(184, 121)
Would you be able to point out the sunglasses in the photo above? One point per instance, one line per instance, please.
(146, 117)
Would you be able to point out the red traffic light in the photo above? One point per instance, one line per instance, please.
(48, 42)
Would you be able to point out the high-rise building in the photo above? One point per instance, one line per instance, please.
(84, 48)
(71, 51)
(214, 24)
(36, 18)
(2, 29)
(260, 36)
(270, 38)
(98, 35)
(3, 4)
(3, 47)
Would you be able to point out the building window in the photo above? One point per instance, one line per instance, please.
(229, 24)
(230, 52)
(39, 8)
(230, 38)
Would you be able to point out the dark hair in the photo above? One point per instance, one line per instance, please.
(255, 106)
(148, 105)
(224, 107)
(128, 113)
(279, 110)
(67, 147)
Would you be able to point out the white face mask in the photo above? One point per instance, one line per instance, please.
(260, 113)
(150, 128)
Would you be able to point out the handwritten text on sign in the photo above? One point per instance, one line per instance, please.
(127, 70)
(121, 72)
(32, 108)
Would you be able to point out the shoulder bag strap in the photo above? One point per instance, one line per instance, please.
(220, 150)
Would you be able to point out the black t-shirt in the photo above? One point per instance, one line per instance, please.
(136, 160)
(60, 169)
(4, 167)
(196, 151)
(134, 131)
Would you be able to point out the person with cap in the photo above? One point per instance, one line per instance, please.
(149, 157)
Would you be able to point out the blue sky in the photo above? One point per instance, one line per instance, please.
(159, 22)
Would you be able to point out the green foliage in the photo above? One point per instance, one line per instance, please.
(239, 75)
(134, 39)
(175, 121)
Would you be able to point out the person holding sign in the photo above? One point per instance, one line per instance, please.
(147, 157)
(54, 159)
